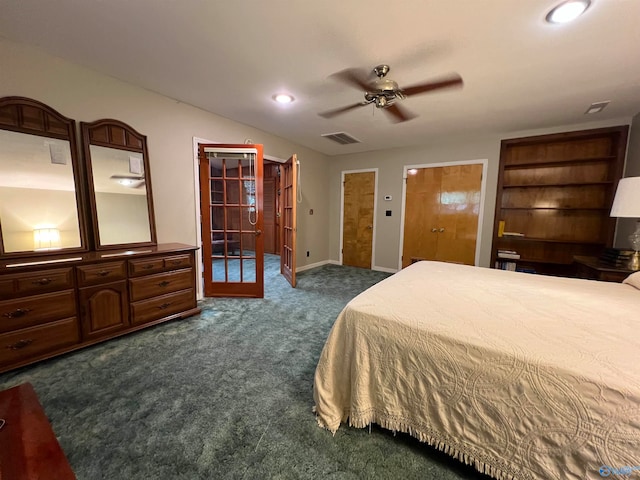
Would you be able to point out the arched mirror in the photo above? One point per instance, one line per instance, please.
(40, 194)
(119, 185)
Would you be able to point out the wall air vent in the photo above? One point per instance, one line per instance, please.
(342, 138)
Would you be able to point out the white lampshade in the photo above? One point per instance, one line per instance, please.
(46, 238)
(627, 200)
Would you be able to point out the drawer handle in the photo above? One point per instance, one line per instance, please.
(20, 312)
(163, 283)
(103, 273)
(164, 305)
(20, 344)
(148, 266)
(42, 281)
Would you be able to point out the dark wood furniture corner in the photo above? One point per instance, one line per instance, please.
(593, 269)
(29, 449)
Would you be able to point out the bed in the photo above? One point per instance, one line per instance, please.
(523, 376)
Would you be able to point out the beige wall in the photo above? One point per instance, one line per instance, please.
(86, 95)
(390, 164)
(626, 226)
(24, 209)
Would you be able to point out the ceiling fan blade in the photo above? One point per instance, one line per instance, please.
(355, 77)
(453, 80)
(399, 114)
(338, 111)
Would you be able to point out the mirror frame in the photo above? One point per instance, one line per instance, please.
(25, 115)
(118, 135)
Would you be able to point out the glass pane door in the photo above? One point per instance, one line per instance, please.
(231, 205)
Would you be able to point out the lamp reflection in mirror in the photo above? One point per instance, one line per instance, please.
(46, 238)
(626, 204)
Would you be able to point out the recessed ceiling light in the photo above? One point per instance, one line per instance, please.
(567, 11)
(283, 98)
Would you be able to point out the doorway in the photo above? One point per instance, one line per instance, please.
(358, 217)
(226, 250)
(232, 217)
(442, 209)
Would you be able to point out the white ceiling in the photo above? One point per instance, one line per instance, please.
(230, 57)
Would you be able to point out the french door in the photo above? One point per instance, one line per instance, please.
(232, 219)
(288, 227)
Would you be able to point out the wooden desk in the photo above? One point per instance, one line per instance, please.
(29, 449)
(593, 269)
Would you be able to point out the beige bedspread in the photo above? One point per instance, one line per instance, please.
(524, 376)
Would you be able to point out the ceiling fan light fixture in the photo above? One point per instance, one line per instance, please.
(381, 101)
(129, 182)
(567, 11)
(283, 98)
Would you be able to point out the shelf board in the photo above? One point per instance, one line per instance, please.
(568, 184)
(559, 163)
(548, 240)
(534, 260)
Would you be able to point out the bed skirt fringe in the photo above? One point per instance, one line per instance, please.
(396, 426)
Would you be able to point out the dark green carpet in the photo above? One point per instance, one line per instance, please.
(223, 395)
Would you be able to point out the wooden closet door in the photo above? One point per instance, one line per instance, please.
(459, 209)
(357, 224)
(442, 207)
(421, 214)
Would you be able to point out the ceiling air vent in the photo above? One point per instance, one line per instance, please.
(342, 138)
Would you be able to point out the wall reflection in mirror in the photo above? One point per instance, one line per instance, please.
(38, 210)
(120, 187)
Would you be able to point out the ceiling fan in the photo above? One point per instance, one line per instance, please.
(130, 181)
(383, 92)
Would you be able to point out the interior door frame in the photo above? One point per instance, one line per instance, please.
(483, 191)
(375, 211)
(197, 217)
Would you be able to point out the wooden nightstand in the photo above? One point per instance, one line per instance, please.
(593, 269)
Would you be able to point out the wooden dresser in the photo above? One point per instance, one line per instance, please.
(52, 305)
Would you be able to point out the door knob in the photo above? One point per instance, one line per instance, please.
(258, 232)
(370, 227)
(434, 230)
(441, 230)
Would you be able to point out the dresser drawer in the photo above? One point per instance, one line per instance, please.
(159, 284)
(159, 307)
(27, 311)
(145, 266)
(33, 341)
(101, 273)
(38, 282)
(177, 261)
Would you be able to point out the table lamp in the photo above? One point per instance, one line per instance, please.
(626, 204)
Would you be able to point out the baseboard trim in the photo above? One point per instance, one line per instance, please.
(385, 269)
(312, 265)
(336, 262)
